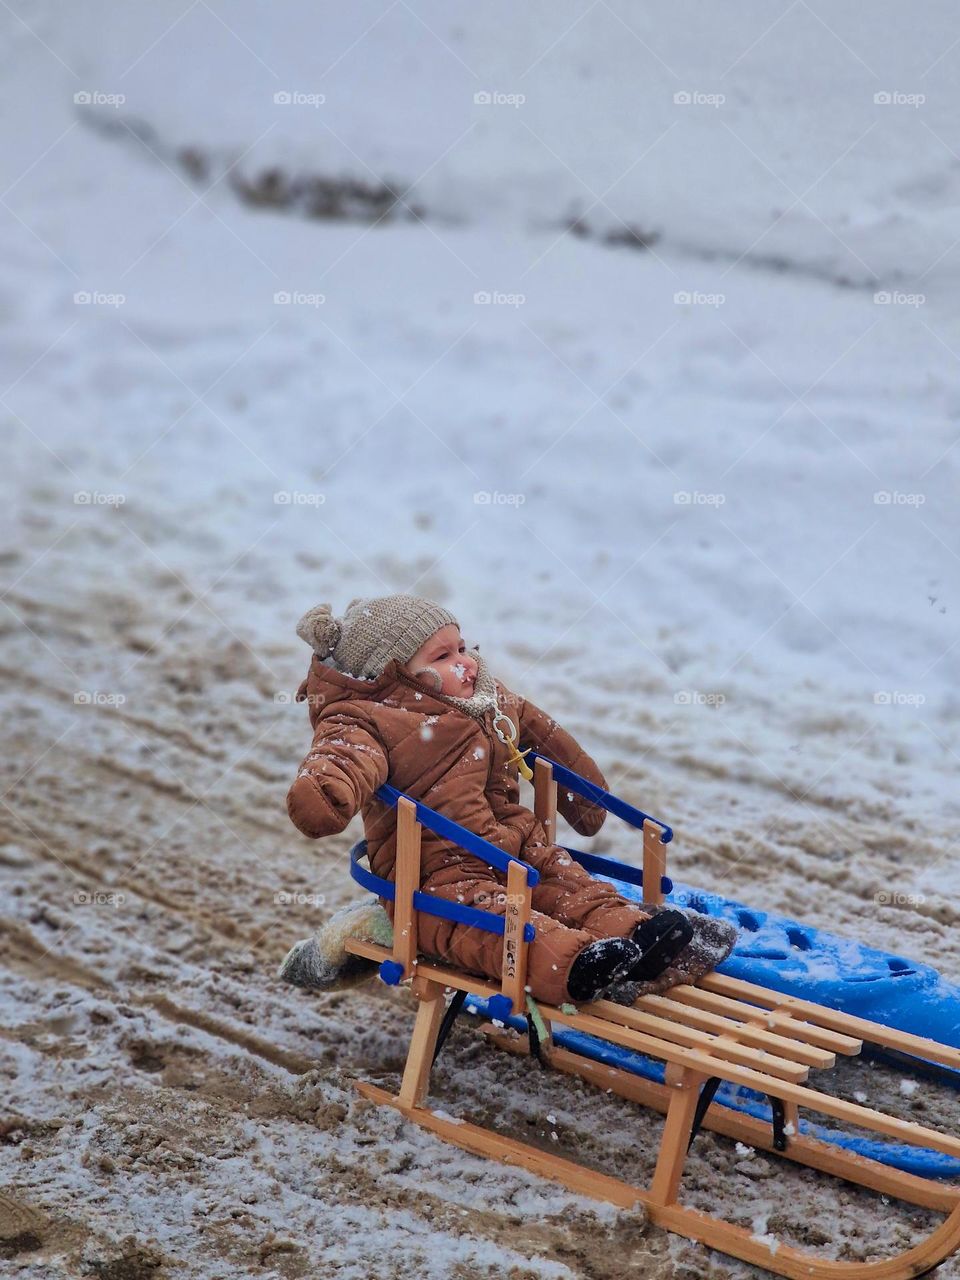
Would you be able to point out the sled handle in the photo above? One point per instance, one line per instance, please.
(571, 781)
(548, 775)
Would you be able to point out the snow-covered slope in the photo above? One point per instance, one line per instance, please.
(819, 137)
(695, 498)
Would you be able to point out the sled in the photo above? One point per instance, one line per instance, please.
(721, 1030)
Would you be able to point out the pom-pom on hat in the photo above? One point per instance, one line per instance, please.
(372, 631)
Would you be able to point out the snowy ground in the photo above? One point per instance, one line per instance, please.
(716, 538)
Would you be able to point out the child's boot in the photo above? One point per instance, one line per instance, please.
(660, 940)
(600, 965)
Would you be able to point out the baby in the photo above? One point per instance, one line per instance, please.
(394, 694)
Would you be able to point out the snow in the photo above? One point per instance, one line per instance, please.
(445, 1115)
(697, 500)
(764, 1237)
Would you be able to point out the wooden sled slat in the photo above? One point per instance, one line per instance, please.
(888, 1037)
(784, 1023)
(747, 1032)
(723, 1045)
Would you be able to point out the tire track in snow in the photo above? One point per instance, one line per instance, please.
(31, 953)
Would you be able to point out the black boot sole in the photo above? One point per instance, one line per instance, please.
(672, 933)
(603, 981)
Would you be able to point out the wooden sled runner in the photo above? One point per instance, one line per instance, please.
(720, 1029)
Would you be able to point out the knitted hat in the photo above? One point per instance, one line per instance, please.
(372, 632)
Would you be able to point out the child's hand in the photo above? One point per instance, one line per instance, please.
(341, 771)
(319, 810)
(540, 731)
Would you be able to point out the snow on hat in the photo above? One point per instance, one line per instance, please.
(372, 631)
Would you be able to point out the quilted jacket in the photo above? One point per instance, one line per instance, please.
(397, 729)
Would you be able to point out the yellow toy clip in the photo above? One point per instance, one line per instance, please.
(517, 756)
(518, 760)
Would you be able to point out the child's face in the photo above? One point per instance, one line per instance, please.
(446, 653)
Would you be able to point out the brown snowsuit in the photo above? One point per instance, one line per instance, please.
(396, 728)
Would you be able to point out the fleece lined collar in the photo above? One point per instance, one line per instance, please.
(340, 686)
